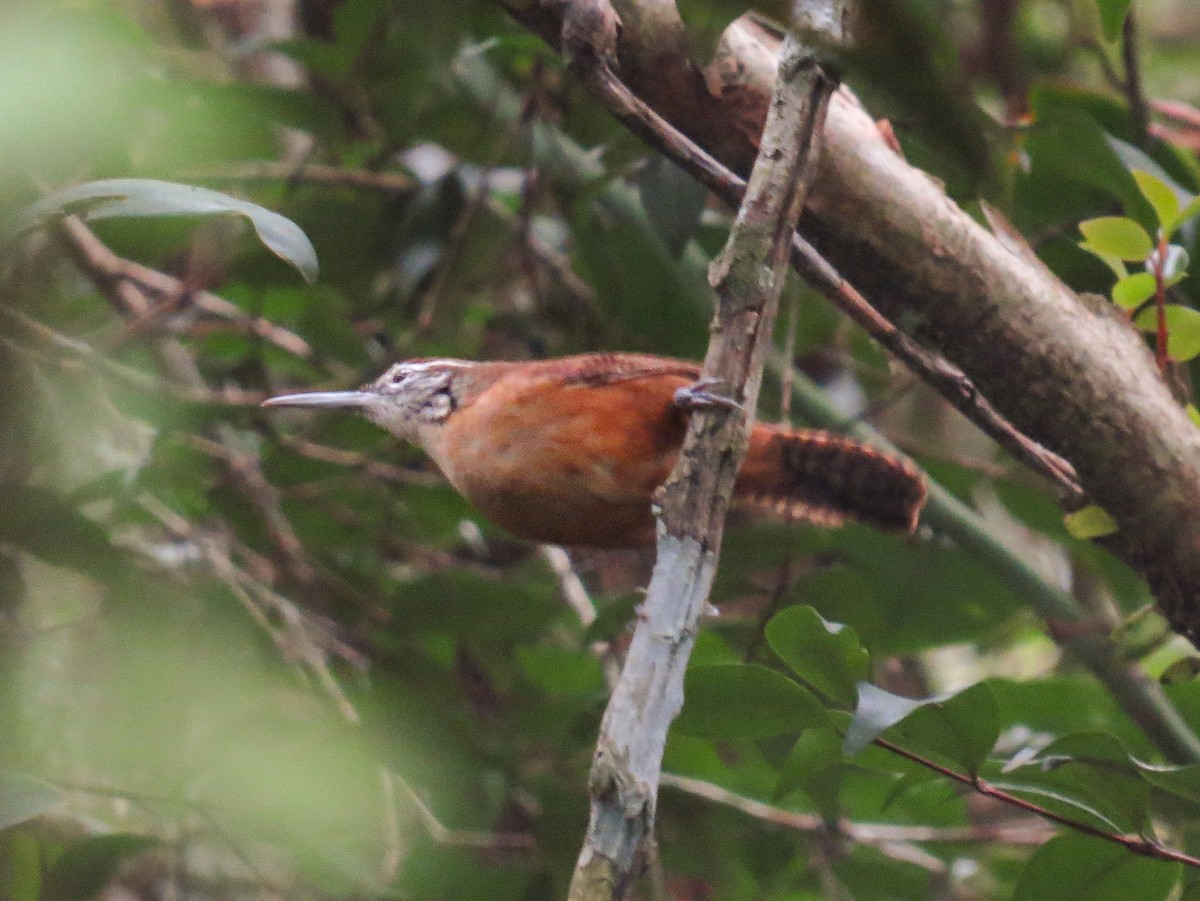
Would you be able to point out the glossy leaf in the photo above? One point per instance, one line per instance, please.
(1076, 867)
(745, 700)
(138, 197)
(827, 656)
(1190, 209)
(1183, 329)
(1118, 236)
(1160, 196)
(962, 727)
(1091, 773)
(1134, 290)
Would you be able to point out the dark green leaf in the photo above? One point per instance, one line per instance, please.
(1091, 772)
(86, 867)
(1181, 781)
(815, 767)
(828, 656)
(37, 521)
(1076, 867)
(963, 727)
(745, 700)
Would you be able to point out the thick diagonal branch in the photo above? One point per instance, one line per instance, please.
(1061, 368)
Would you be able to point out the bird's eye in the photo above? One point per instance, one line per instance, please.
(399, 377)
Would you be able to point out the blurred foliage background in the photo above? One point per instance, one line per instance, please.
(263, 656)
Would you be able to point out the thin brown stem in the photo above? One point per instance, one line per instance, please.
(1134, 843)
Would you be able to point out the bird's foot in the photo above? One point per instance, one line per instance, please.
(697, 397)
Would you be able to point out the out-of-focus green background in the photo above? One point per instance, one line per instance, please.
(251, 655)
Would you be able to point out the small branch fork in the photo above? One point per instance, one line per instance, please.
(747, 278)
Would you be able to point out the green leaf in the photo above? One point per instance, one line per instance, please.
(138, 197)
(963, 727)
(1183, 329)
(1193, 415)
(827, 656)
(1190, 209)
(745, 700)
(1075, 867)
(1134, 290)
(1090, 522)
(1116, 264)
(1091, 773)
(1180, 781)
(814, 766)
(1160, 196)
(23, 798)
(1118, 236)
(1112, 16)
(1183, 670)
(86, 867)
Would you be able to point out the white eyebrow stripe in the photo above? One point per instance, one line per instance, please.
(426, 365)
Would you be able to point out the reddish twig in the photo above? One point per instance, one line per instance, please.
(1134, 843)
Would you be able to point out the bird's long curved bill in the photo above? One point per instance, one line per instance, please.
(343, 399)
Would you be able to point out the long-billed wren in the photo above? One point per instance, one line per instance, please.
(570, 451)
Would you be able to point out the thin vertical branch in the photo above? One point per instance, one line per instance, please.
(1139, 110)
(747, 278)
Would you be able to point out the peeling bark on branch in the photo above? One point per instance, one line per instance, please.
(1060, 367)
(747, 278)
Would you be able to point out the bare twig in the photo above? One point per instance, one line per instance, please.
(575, 594)
(747, 278)
(396, 183)
(111, 276)
(443, 835)
(1031, 833)
(127, 283)
(1139, 112)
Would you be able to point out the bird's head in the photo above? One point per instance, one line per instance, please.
(409, 395)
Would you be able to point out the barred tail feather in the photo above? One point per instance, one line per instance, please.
(824, 478)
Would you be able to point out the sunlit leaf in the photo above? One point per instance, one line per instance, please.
(1134, 290)
(1090, 522)
(1118, 236)
(1190, 209)
(1183, 329)
(1160, 195)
